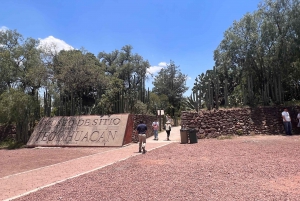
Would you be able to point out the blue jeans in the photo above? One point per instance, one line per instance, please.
(155, 134)
(287, 127)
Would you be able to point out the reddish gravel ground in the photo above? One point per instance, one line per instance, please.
(15, 161)
(244, 168)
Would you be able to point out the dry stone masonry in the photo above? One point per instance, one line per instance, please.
(239, 121)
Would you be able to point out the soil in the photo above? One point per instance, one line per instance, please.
(243, 168)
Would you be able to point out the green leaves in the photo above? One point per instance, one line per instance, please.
(14, 106)
(171, 82)
(79, 71)
(257, 55)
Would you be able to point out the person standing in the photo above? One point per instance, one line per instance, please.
(287, 122)
(168, 129)
(142, 129)
(155, 126)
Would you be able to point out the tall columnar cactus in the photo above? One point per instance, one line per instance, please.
(208, 90)
(199, 90)
(216, 84)
(47, 104)
(226, 92)
(250, 92)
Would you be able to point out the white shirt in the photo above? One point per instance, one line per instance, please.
(286, 116)
(155, 125)
(155, 122)
(168, 127)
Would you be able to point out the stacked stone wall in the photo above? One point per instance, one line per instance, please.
(239, 121)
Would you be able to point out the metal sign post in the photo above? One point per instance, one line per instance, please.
(160, 113)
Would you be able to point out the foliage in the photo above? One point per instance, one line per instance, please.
(190, 103)
(10, 143)
(75, 82)
(127, 69)
(141, 108)
(14, 106)
(77, 71)
(115, 87)
(79, 76)
(21, 65)
(257, 62)
(172, 83)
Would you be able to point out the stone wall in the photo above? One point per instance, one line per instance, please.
(7, 131)
(239, 121)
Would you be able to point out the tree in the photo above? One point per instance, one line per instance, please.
(10, 58)
(257, 62)
(20, 62)
(79, 77)
(171, 82)
(131, 70)
(16, 108)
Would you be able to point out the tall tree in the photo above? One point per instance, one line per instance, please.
(10, 57)
(79, 76)
(171, 82)
(131, 70)
(258, 59)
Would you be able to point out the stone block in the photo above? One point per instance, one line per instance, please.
(91, 130)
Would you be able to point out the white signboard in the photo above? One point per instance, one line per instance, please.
(160, 112)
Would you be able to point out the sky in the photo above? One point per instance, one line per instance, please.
(184, 31)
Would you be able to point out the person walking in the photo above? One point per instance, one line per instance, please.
(287, 122)
(142, 129)
(168, 129)
(155, 126)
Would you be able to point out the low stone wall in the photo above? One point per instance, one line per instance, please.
(239, 121)
(147, 120)
(7, 131)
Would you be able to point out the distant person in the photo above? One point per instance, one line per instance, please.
(155, 126)
(168, 129)
(142, 129)
(298, 117)
(168, 118)
(287, 121)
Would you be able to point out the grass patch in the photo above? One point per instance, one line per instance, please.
(10, 144)
(225, 137)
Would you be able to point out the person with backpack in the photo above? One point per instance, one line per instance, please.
(155, 126)
(168, 129)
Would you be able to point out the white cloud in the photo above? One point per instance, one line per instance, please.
(3, 28)
(154, 69)
(54, 45)
(163, 64)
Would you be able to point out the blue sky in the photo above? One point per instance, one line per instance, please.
(185, 31)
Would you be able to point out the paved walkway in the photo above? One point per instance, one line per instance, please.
(23, 183)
